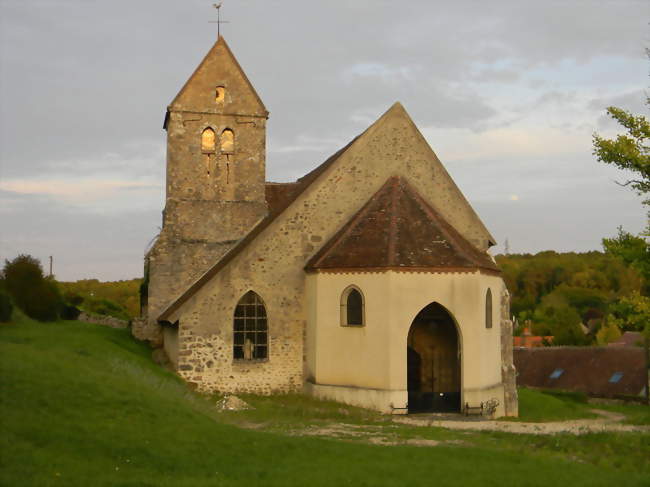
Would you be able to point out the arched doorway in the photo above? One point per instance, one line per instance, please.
(433, 363)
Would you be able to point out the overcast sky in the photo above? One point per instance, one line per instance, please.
(508, 95)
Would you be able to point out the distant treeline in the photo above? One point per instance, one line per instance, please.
(576, 297)
(115, 298)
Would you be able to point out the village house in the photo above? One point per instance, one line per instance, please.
(367, 281)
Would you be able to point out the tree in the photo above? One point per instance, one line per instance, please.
(629, 151)
(631, 313)
(37, 296)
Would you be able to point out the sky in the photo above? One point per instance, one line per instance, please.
(507, 93)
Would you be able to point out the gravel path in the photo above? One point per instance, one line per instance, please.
(608, 422)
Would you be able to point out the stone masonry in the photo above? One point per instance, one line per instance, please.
(508, 371)
(215, 194)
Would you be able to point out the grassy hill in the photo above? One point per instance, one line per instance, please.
(84, 405)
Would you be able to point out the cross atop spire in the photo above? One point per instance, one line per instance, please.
(218, 21)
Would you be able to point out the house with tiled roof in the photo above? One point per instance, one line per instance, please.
(367, 281)
(596, 371)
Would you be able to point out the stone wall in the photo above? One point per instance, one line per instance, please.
(103, 320)
(214, 195)
(273, 264)
(508, 371)
(149, 331)
(207, 361)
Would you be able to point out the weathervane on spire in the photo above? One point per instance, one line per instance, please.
(218, 21)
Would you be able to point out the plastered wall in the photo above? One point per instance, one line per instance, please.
(374, 356)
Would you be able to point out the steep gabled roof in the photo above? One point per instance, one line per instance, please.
(397, 228)
(219, 65)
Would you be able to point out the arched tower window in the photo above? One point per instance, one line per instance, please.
(227, 141)
(220, 94)
(250, 331)
(207, 140)
(488, 309)
(352, 307)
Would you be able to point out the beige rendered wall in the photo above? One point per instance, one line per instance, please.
(341, 360)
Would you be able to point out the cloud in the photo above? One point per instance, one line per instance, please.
(88, 195)
(383, 72)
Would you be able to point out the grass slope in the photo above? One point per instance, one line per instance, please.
(84, 405)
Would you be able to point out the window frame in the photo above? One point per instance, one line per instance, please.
(222, 140)
(213, 149)
(242, 317)
(344, 307)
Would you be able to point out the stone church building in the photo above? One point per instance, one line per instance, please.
(367, 281)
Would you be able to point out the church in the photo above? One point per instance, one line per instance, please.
(367, 281)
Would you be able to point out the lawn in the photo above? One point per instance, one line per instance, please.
(85, 405)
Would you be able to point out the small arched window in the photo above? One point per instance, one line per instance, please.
(250, 330)
(352, 307)
(227, 141)
(488, 309)
(220, 95)
(207, 140)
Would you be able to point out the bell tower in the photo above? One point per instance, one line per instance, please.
(216, 147)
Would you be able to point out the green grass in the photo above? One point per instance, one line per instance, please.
(549, 405)
(545, 406)
(84, 405)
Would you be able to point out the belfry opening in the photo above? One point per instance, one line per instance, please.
(433, 362)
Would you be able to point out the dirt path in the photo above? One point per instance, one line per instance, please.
(609, 422)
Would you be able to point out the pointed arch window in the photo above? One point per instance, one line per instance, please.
(488, 309)
(207, 140)
(352, 307)
(250, 330)
(227, 141)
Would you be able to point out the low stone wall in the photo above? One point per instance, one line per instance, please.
(103, 320)
(144, 330)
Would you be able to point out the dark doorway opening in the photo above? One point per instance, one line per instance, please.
(433, 365)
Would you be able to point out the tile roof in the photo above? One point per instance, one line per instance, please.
(585, 369)
(278, 194)
(397, 228)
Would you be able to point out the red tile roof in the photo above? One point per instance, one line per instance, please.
(397, 228)
(584, 369)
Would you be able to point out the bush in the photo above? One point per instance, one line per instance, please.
(5, 308)
(38, 297)
(105, 307)
(70, 312)
(45, 302)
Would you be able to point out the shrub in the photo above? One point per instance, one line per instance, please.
(37, 296)
(70, 312)
(105, 307)
(5, 308)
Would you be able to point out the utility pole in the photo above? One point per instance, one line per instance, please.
(51, 261)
